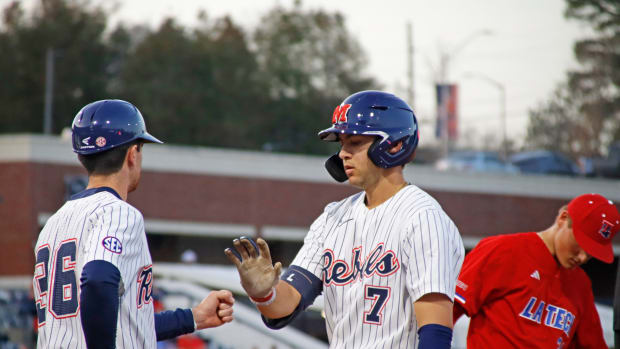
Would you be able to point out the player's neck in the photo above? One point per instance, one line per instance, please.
(547, 238)
(384, 189)
(114, 181)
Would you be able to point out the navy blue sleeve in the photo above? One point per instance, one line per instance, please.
(99, 301)
(434, 336)
(170, 324)
(307, 284)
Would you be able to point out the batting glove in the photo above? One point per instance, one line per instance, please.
(253, 261)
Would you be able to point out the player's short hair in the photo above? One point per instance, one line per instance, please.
(109, 161)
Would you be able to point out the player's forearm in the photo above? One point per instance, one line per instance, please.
(170, 324)
(287, 299)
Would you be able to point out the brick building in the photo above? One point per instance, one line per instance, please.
(201, 198)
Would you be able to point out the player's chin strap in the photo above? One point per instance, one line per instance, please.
(335, 167)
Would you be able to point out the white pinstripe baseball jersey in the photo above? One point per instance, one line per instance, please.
(375, 263)
(96, 227)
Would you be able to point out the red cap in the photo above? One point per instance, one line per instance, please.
(595, 222)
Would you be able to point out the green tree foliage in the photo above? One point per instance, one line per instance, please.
(169, 79)
(206, 86)
(583, 115)
(215, 85)
(74, 32)
(558, 124)
(198, 87)
(602, 15)
(599, 78)
(310, 63)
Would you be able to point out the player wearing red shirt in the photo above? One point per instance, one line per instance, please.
(527, 290)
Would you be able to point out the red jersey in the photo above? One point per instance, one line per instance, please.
(518, 296)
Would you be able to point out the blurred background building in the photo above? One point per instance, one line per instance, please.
(518, 105)
(195, 200)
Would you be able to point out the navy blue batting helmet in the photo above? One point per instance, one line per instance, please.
(103, 125)
(374, 113)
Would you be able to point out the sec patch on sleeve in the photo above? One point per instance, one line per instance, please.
(112, 244)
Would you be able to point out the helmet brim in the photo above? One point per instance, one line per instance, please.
(330, 134)
(149, 138)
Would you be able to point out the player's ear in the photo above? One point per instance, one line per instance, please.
(562, 216)
(132, 155)
(396, 148)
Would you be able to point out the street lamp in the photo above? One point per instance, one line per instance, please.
(446, 57)
(49, 91)
(502, 94)
(445, 60)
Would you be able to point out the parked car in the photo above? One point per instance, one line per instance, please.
(604, 167)
(475, 161)
(544, 162)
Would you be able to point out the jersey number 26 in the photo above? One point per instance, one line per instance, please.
(62, 298)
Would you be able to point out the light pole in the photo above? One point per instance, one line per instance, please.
(446, 57)
(502, 102)
(49, 91)
(445, 61)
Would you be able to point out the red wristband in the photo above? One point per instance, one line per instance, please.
(264, 299)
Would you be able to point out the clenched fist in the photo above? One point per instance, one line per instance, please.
(215, 310)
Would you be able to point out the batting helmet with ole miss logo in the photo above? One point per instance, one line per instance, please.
(103, 125)
(374, 113)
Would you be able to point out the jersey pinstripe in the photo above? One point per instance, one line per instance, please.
(376, 263)
(95, 227)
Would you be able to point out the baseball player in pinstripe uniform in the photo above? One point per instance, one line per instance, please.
(386, 259)
(93, 274)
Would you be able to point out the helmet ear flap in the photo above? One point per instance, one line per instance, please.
(335, 167)
(379, 152)
(372, 151)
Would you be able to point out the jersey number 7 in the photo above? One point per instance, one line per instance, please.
(378, 295)
(62, 298)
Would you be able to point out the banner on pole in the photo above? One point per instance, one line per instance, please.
(447, 116)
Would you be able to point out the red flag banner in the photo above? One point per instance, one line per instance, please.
(447, 111)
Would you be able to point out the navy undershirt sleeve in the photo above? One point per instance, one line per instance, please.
(99, 302)
(170, 324)
(434, 336)
(307, 284)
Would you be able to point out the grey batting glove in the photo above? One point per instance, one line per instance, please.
(253, 261)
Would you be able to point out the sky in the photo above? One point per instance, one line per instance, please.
(523, 45)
